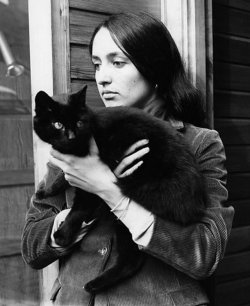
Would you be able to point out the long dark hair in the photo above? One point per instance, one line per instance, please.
(149, 45)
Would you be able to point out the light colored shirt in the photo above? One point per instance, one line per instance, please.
(141, 228)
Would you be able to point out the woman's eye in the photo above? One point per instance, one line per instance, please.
(58, 125)
(96, 66)
(118, 64)
(79, 124)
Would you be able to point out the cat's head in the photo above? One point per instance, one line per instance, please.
(61, 119)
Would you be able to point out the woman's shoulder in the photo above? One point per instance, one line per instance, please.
(200, 138)
(199, 132)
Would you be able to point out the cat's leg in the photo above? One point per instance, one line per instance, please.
(86, 207)
(129, 261)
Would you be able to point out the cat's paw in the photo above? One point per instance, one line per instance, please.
(41, 194)
(91, 287)
(44, 193)
(63, 238)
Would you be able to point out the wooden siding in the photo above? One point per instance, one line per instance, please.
(231, 26)
(22, 287)
(115, 6)
(19, 284)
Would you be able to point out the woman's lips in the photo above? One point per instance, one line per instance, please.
(107, 95)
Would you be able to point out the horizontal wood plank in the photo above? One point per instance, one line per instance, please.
(242, 212)
(239, 240)
(113, 6)
(238, 186)
(82, 25)
(80, 63)
(231, 21)
(19, 283)
(17, 148)
(14, 106)
(17, 177)
(231, 49)
(14, 202)
(231, 77)
(231, 104)
(234, 265)
(238, 158)
(240, 4)
(93, 98)
(233, 293)
(10, 247)
(233, 131)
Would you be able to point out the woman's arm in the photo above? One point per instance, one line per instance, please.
(197, 249)
(36, 244)
(45, 214)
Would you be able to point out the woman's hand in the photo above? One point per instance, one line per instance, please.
(88, 173)
(91, 174)
(132, 154)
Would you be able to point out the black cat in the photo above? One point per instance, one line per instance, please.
(169, 183)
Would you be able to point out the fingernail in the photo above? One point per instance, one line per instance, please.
(146, 150)
(140, 163)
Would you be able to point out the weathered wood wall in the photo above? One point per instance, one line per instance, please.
(18, 283)
(231, 23)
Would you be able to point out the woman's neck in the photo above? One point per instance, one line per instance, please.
(156, 107)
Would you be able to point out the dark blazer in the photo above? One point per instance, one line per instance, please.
(177, 257)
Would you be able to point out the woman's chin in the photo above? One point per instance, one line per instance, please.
(112, 104)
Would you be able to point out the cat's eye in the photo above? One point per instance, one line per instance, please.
(79, 124)
(58, 125)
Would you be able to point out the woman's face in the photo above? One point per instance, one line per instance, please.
(118, 80)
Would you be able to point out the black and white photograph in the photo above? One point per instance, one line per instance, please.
(125, 153)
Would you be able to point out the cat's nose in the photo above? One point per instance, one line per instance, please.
(71, 135)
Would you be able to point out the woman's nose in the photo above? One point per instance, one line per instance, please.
(103, 76)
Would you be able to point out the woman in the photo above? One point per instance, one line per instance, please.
(137, 64)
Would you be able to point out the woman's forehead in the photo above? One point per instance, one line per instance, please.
(104, 45)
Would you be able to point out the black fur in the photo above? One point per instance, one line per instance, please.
(169, 182)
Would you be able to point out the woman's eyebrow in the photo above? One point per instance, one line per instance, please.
(114, 54)
(94, 57)
(109, 55)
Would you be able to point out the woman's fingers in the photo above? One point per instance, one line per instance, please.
(74, 181)
(93, 149)
(131, 170)
(128, 160)
(72, 159)
(136, 146)
(62, 157)
(57, 162)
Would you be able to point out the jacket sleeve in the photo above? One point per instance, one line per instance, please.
(35, 242)
(197, 249)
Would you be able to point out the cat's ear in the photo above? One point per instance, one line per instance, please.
(79, 98)
(43, 102)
